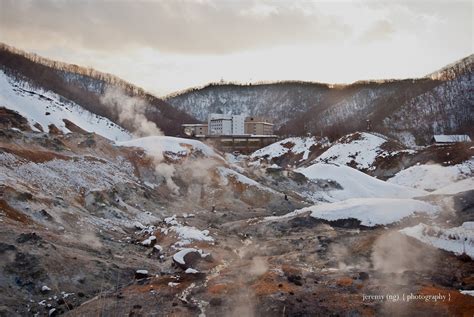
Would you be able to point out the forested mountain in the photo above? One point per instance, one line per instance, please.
(409, 109)
(86, 86)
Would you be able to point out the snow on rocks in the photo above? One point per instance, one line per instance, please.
(139, 274)
(354, 183)
(149, 241)
(370, 211)
(188, 257)
(226, 174)
(45, 289)
(186, 234)
(294, 146)
(458, 239)
(191, 271)
(358, 149)
(433, 176)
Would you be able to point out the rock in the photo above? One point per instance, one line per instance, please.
(464, 257)
(363, 276)
(28, 237)
(44, 214)
(138, 225)
(140, 274)
(45, 289)
(216, 301)
(295, 279)
(54, 130)
(25, 196)
(52, 312)
(6, 247)
(189, 257)
(150, 241)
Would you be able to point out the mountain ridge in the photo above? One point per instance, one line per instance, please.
(298, 108)
(86, 87)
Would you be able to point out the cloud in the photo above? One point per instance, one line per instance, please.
(380, 30)
(188, 27)
(165, 46)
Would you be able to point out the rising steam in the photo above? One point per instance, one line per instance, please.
(131, 112)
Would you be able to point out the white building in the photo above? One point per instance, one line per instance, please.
(224, 124)
(238, 124)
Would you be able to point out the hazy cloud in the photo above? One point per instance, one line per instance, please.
(166, 46)
(169, 26)
(380, 30)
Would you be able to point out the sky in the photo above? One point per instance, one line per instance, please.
(168, 46)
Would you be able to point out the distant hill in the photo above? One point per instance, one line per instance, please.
(85, 86)
(408, 109)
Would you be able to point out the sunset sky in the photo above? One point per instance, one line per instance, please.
(165, 46)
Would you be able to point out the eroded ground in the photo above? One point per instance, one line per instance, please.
(78, 215)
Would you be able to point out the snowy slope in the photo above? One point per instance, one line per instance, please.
(457, 187)
(227, 174)
(371, 211)
(158, 145)
(45, 108)
(457, 239)
(64, 177)
(354, 184)
(294, 146)
(433, 177)
(359, 150)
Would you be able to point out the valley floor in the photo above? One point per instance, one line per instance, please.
(90, 228)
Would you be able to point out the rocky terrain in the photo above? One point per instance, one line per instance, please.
(160, 226)
(102, 214)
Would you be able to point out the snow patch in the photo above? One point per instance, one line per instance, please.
(371, 211)
(354, 183)
(294, 145)
(458, 239)
(362, 151)
(433, 176)
(179, 256)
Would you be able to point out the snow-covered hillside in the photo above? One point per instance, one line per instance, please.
(279, 102)
(358, 150)
(433, 176)
(86, 86)
(295, 149)
(45, 108)
(345, 182)
(457, 239)
(371, 211)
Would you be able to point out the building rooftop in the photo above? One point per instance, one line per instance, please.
(451, 138)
